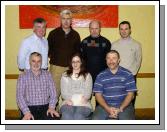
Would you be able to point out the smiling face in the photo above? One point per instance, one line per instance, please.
(124, 30)
(76, 63)
(35, 63)
(40, 29)
(112, 60)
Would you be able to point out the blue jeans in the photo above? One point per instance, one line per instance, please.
(101, 114)
(74, 112)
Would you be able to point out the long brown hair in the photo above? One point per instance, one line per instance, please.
(83, 70)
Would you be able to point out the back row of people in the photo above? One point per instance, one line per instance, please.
(64, 41)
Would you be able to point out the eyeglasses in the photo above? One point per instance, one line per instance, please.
(73, 62)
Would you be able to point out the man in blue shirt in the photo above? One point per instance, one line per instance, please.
(114, 90)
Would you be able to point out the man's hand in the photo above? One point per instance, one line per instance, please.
(28, 116)
(113, 112)
(52, 112)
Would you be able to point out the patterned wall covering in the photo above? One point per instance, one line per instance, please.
(82, 14)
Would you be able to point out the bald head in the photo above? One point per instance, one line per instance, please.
(95, 22)
(95, 28)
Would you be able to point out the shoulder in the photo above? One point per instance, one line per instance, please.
(85, 40)
(23, 75)
(74, 34)
(104, 39)
(136, 43)
(74, 31)
(125, 71)
(115, 42)
(46, 74)
(88, 75)
(64, 75)
(27, 39)
(54, 31)
(103, 73)
(64, 78)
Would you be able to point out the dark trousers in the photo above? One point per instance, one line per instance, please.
(135, 94)
(40, 112)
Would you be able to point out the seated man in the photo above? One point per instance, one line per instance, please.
(36, 93)
(114, 90)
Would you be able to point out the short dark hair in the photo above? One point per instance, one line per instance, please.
(125, 22)
(39, 20)
(114, 51)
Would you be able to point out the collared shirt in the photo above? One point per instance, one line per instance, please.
(114, 87)
(35, 90)
(130, 53)
(29, 45)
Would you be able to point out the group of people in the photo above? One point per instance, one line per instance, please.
(78, 69)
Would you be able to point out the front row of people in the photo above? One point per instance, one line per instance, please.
(114, 90)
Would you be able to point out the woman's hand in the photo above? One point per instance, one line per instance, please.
(84, 100)
(68, 102)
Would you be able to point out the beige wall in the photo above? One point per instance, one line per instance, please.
(143, 29)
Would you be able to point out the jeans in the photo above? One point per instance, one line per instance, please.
(74, 112)
(40, 112)
(101, 114)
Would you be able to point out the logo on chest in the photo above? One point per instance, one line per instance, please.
(93, 44)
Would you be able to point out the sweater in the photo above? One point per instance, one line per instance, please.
(80, 86)
(130, 54)
(94, 51)
(62, 46)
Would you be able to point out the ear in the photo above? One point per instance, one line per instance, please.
(33, 28)
(119, 60)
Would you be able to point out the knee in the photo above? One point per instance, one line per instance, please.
(66, 116)
(79, 117)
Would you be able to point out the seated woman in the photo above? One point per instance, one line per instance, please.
(76, 90)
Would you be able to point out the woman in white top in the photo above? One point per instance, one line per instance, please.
(76, 90)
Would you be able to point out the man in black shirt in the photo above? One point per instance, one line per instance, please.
(63, 42)
(94, 49)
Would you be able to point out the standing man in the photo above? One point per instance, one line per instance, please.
(36, 94)
(129, 49)
(94, 49)
(63, 42)
(114, 90)
(34, 43)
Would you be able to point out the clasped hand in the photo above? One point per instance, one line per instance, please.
(113, 113)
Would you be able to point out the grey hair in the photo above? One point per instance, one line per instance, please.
(35, 54)
(66, 12)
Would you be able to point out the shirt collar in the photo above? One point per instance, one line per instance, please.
(36, 37)
(116, 72)
(68, 31)
(95, 37)
(125, 40)
(31, 73)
